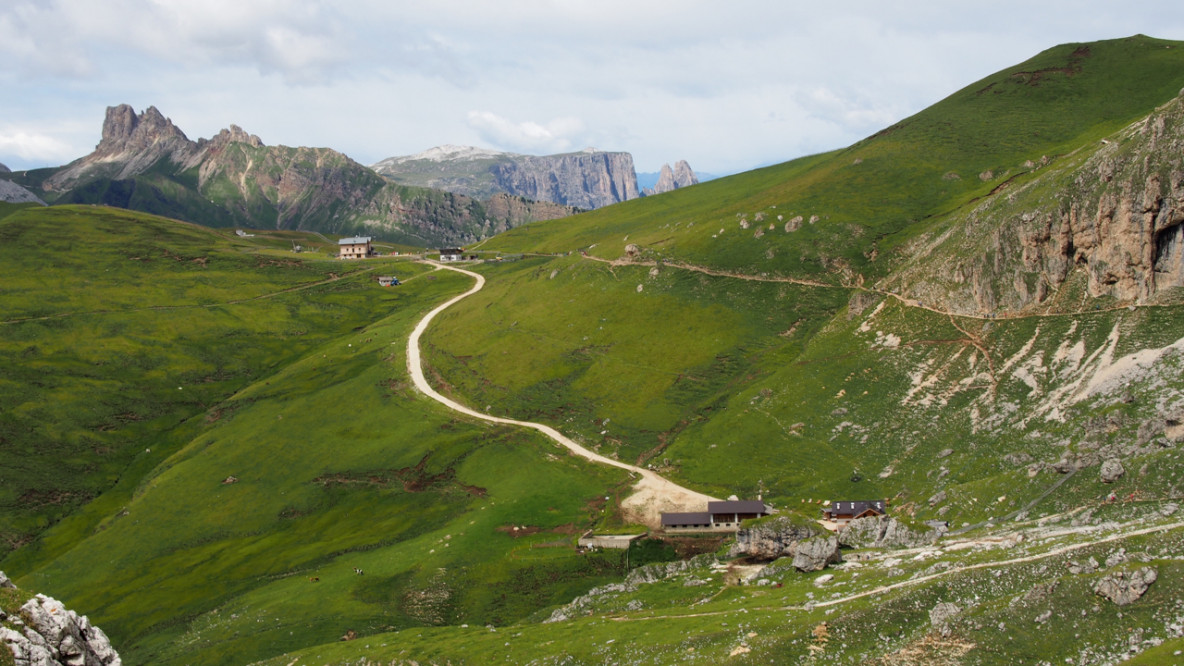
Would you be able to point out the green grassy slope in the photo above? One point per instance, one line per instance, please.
(877, 194)
(259, 439)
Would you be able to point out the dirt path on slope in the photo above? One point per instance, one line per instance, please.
(652, 494)
(1061, 550)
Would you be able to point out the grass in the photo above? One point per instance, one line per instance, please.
(228, 519)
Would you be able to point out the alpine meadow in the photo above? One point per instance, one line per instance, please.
(969, 324)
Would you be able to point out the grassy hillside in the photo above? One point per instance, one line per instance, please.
(854, 208)
(746, 346)
(201, 426)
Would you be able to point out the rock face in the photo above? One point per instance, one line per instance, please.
(4, 169)
(940, 616)
(589, 179)
(1125, 587)
(1117, 223)
(672, 179)
(779, 537)
(46, 633)
(586, 180)
(885, 532)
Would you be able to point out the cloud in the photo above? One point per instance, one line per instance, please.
(33, 146)
(557, 136)
(302, 41)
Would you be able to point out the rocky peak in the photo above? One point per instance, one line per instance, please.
(236, 134)
(4, 169)
(671, 179)
(123, 129)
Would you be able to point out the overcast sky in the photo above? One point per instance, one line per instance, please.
(726, 86)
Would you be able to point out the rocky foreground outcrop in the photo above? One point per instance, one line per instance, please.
(45, 633)
(13, 193)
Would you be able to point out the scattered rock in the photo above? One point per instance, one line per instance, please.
(940, 616)
(1112, 470)
(1125, 587)
(1116, 558)
(1043, 617)
(5, 582)
(823, 580)
(938, 498)
(944, 453)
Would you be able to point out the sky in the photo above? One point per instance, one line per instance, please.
(727, 86)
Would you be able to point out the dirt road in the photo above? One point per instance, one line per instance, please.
(651, 495)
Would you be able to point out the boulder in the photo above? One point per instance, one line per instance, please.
(1112, 470)
(1125, 587)
(940, 616)
(815, 553)
(778, 537)
(5, 582)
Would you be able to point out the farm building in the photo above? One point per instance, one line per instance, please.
(388, 280)
(719, 517)
(356, 247)
(846, 511)
(452, 254)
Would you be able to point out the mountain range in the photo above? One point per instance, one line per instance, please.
(214, 447)
(144, 162)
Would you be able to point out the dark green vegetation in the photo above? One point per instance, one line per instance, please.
(761, 337)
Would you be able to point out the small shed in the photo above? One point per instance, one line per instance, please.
(355, 247)
(449, 254)
(847, 510)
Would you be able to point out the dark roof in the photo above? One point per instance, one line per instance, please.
(741, 506)
(677, 519)
(451, 250)
(854, 508)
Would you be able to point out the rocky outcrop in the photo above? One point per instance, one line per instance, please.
(771, 539)
(1117, 222)
(4, 169)
(45, 633)
(672, 179)
(940, 616)
(1126, 587)
(1112, 470)
(885, 532)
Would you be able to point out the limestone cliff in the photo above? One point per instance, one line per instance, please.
(587, 179)
(1110, 219)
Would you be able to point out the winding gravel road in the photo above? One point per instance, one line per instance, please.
(651, 495)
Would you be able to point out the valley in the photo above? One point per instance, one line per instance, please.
(223, 450)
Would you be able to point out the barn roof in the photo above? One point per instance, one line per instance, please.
(354, 240)
(854, 508)
(740, 506)
(679, 519)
